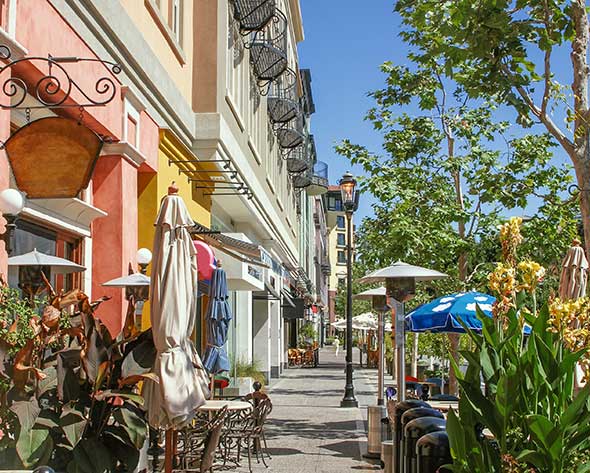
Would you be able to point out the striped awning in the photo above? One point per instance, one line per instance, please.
(241, 250)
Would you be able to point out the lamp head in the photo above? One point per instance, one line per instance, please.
(144, 257)
(348, 192)
(12, 202)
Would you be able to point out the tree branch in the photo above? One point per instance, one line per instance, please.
(543, 118)
(547, 62)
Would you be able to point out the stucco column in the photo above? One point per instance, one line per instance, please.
(243, 316)
(114, 237)
(275, 339)
(261, 325)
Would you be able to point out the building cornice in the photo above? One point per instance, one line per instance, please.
(127, 150)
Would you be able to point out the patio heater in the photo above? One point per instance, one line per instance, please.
(349, 204)
(381, 305)
(400, 283)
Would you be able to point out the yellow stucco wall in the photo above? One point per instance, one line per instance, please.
(153, 186)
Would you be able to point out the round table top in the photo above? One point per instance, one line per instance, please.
(216, 404)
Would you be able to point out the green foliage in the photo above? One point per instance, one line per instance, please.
(511, 53)
(307, 334)
(529, 404)
(71, 398)
(248, 370)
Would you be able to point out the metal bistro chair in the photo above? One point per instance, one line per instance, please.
(199, 443)
(248, 433)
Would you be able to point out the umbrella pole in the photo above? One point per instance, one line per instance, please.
(212, 387)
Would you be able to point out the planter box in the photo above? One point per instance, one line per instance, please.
(242, 387)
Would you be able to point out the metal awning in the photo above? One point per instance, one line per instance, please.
(241, 250)
(287, 299)
(269, 293)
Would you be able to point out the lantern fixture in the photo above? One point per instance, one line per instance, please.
(348, 192)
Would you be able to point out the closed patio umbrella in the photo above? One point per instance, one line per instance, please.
(183, 387)
(574, 273)
(218, 319)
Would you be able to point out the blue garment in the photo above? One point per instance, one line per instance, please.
(218, 318)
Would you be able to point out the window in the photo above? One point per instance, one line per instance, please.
(176, 17)
(29, 236)
(340, 221)
(341, 257)
(335, 203)
(341, 239)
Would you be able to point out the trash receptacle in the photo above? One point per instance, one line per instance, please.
(413, 431)
(407, 417)
(399, 410)
(376, 430)
(433, 451)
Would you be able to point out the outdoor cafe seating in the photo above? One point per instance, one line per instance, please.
(307, 357)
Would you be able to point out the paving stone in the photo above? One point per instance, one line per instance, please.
(308, 431)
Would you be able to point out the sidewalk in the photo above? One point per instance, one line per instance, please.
(308, 431)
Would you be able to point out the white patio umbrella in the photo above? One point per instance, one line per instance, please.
(574, 273)
(365, 321)
(183, 386)
(56, 264)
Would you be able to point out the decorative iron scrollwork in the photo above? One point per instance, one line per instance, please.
(54, 89)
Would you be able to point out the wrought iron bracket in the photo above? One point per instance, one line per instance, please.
(54, 89)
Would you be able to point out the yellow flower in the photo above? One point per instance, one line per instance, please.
(502, 280)
(510, 237)
(531, 274)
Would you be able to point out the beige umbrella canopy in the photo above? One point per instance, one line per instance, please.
(183, 385)
(574, 273)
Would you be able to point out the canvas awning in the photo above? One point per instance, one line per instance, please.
(287, 299)
(241, 250)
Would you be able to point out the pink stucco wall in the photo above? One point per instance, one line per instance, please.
(114, 242)
(43, 31)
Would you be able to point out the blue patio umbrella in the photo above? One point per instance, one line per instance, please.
(443, 314)
(218, 319)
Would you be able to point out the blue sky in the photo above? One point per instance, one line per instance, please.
(345, 42)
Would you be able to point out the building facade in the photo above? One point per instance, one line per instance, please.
(209, 96)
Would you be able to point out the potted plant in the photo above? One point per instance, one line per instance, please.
(69, 396)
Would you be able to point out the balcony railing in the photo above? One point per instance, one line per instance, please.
(268, 49)
(291, 134)
(319, 179)
(302, 180)
(253, 15)
(297, 159)
(283, 104)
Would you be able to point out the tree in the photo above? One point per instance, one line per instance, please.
(508, 51)
(446, 176)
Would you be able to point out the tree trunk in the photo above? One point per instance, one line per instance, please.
(579, 153)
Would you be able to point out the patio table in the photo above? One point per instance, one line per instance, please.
(216, 404)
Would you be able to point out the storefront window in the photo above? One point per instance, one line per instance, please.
(29, 236)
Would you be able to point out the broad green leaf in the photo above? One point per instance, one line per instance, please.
(73, 422)
(133, 422)
(34, 444)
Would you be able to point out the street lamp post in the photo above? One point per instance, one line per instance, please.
(350, 204)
